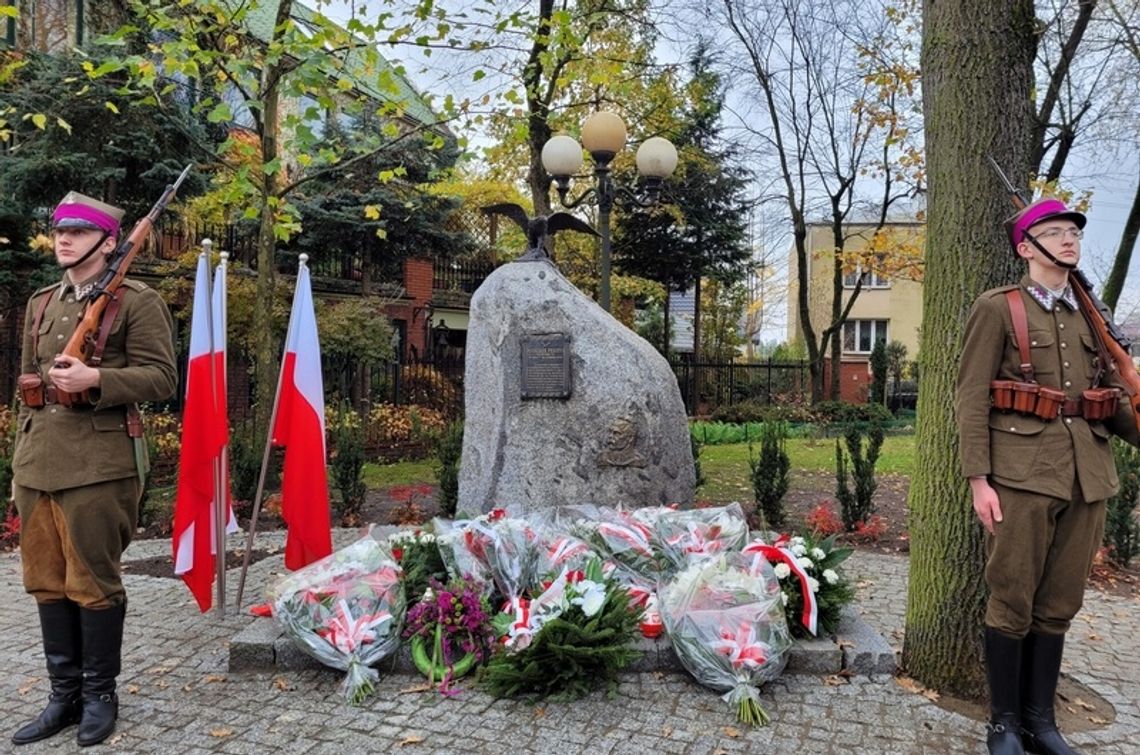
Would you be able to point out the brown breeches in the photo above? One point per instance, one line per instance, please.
(71, 541)
(1039, 560)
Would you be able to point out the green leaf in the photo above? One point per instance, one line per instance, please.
(111, 106)
(63, 124)
(220, 113)
(40, 120)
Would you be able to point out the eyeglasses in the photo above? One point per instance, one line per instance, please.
(1058, 233)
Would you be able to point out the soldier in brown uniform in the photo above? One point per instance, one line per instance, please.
(77, 479)
(1039, 477)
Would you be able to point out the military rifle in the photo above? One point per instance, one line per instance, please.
(1096, 312)
(81, 345)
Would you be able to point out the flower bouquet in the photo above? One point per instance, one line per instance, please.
(726, 622)
(700, 533)
(627, 538)
(492, 548)
(450, 631)
(345, 610)
(574, 635)
(814, 587)
(418, 555)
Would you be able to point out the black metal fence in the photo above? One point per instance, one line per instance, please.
(705, 386)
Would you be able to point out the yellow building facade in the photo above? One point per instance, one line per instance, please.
(889, 304)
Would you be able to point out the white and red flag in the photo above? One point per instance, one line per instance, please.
(218, 321)
(300, 427)
(203, 436)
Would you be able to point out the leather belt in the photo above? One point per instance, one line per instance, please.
(51, 396)
(1071, 408)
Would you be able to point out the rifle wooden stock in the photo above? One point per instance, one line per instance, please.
(81, 345)
(1123, 360)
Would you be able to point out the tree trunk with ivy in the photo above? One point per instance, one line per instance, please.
(977, 62)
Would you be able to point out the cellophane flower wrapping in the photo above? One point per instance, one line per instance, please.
(725, 619)
(694, 534)
(345, 610)
(495, 547)
(627, 538)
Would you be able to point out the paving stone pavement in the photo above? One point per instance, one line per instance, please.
(177, 696)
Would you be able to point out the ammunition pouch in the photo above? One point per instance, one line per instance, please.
(1043, 402)
(31, 388)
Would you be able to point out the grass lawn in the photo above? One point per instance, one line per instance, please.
(399, 473)
(727, 476)
(725, 467)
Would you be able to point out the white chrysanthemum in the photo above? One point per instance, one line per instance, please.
(805, 563)
(782, 571)
(830, 576)
(798, 549)
(813, 583)
(818, 554)
(783, 599)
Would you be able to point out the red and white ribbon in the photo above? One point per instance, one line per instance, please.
(776, 554)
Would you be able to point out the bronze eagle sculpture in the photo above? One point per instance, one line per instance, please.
(539, 227)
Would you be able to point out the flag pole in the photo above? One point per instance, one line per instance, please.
(219, 513)
(222, 511)
(264, 465)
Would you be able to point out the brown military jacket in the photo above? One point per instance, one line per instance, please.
(59, 448)
(1025, 452)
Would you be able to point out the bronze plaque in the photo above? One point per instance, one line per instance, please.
(546, 366)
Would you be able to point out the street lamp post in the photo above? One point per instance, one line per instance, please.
(603, 136)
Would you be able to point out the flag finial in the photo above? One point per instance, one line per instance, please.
(304, 259)
(207, 246)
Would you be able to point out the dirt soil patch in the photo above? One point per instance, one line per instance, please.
(163, 566)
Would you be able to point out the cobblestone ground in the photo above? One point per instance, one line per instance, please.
(178, 697)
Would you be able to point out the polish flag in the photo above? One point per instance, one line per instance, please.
(219, 322)
(300, 428)
(203, 436)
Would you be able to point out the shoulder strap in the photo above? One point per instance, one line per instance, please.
(36, 322)
(1021, 332)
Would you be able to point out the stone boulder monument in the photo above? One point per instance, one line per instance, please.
(564, 404)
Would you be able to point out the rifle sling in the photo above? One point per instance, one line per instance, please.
(105, 325)
(1089, 311)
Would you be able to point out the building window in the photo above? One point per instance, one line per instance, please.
(53, 25)
(7, 27)
(860, 336)
(871, 279)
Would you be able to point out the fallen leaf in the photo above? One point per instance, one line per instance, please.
(730, 731)
(835, 680)
(667, 731)
(425, 687)
(539, 712)
(132, 689)
(411, 739)
(188, 687)
(1093, 637)
(116, 739)
(1099, 720)
(214, 678)
(159, 670)
(162, 684)
(1083, 704)
(282, 684)
(221, 733)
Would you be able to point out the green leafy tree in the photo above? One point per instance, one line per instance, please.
(268, 74)
(699, 229)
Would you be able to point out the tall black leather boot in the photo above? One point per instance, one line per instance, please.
(1003, 668)
(59, 625)
(102, 652)
(1040, 669)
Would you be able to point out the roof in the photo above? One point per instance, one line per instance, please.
(259, 23)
